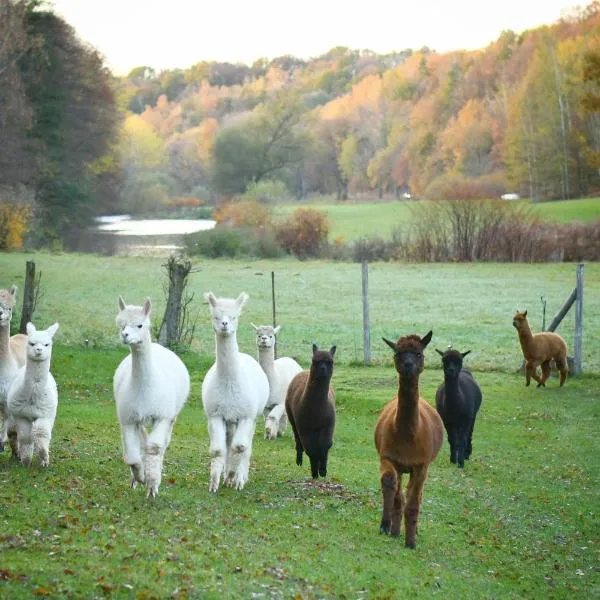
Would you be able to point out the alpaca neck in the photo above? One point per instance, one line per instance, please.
(451, 386)
(407, 414)
(525, 335)
(266, 359)
(4, 342)
(36, 372)
(227, 354)
(316, 389)
(141, 360)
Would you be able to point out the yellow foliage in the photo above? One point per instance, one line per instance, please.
(243, 214)
(14, 220)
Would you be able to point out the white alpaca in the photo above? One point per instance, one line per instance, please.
(32, 399)
(12, 354)
(234, 392)
(279, 373)
(150, 387)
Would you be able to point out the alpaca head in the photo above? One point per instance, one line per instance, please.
(452, 361)
(39, 343)
(265, 335)
(408, 353)
(322, 362)
(519, 320)
(7, 302)
(225, 312)
(134, 322)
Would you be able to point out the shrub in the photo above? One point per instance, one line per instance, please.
(304, 234)
(231, 242)
(458, 187)
(14, 221)
(243, 214)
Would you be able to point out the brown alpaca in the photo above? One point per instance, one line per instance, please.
(408, 436)
(540, 349)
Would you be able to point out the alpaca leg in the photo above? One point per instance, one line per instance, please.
(218, 451)
(563, 366)
(413, 503)
(41, 433)
(241, 445)
(389, 490)
(25, 441)
(156, 444)
(133, 438)
(530, 373)
(4, 427)
(299, 446)
(545, 373)
(470, 439)
(398, 509)
(461, 446)
(11, 431)
(273, 422)
(323, 461)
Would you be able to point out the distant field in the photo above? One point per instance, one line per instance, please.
(350, 220)
(468, 305)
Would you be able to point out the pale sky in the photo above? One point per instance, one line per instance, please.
(166, 34)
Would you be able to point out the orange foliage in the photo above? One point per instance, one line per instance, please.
(243, 214)
(304, 233)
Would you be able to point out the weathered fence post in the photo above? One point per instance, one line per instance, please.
(170, 330)
(29, 295)
(578, 322)
(365, 298)
(273, 304)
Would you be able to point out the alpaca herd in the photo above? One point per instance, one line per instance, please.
(152, 384)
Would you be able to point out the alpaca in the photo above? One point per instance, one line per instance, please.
(235, 391)
(150, 387)
(32, 400)
(13, 354)
(279, 373)
(540, 349)
(310, 407)
(408, 436)
(457, 401)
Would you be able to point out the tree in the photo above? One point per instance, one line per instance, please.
(73, 101)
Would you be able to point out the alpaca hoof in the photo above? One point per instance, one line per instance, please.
(541, 385)
(385, 526)
(527, 384)
(44, 463)
(299, 459)
(411, 545)
(152, 491)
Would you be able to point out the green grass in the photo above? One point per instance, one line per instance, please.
(467, 305)
(521, 520)
(353, 220)
(565, 211)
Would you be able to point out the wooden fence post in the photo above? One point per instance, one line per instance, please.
(273, 305)
(366, 328)
(578, 321)
(29, 296)
(171, 327)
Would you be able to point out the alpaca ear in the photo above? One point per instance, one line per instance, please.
(439, 352)
(425, 340)
(525, 314)
(30, 327)
(242, 299)
(147, 307)
(465, 353)
(254, 326)
(52, 330)
(315, 348)
(332, 350)
(210, 298)
(276, 330)
(390, 344)
(13, 290)
(121, 303)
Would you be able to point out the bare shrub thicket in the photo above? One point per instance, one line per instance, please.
(490, 230)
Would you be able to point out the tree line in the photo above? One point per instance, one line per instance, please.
(521, 115)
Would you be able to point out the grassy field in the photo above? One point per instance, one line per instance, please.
(470, 305)
(521, 521)
(353, 220)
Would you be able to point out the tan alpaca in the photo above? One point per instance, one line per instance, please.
(540, 349)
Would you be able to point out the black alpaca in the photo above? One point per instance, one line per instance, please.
(457, 401)
(310, 407)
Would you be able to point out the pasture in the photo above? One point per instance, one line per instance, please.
(521, 520)
(352, 220)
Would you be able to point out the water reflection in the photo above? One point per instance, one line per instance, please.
(120, 235)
